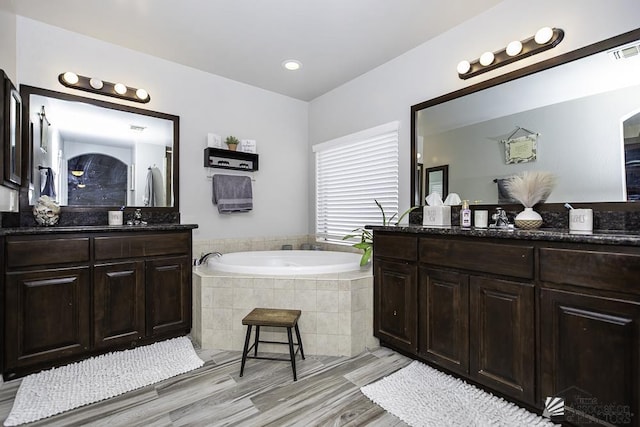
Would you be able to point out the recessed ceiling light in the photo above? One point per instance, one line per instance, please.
(292, 64)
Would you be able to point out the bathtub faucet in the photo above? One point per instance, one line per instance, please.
(204, 257)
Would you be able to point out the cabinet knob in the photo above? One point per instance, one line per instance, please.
(395, 313)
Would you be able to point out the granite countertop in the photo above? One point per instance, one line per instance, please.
(94, 229)
(602, 237)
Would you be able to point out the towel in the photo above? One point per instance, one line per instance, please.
(149, 194)
(47, 187)
(232, 193)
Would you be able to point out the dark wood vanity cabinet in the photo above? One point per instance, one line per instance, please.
(477, 324)
(73, 296)
(395, 278)
(526, 319)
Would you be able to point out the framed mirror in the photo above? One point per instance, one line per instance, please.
(437, 180)
(10, 129)
(576, 115)
(92, 154)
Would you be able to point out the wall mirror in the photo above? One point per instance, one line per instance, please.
(87, 153)
(10, 132)
(576, 115)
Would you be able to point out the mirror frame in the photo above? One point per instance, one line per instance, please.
(583, 52)
(27, 148)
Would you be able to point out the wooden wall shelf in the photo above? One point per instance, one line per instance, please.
(227, 159)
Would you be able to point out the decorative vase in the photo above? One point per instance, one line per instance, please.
(528, 219)
(46, 211)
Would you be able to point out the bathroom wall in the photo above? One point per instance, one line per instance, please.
(387, 92)
(205, 103)
(8, 197)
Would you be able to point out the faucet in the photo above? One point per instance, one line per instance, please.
(500, 218)
(204, 257)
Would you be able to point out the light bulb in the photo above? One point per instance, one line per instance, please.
(486, 58)
(96, 83)
(543, 35)
(71, 78)
(292, 64)
(120, 88)
(463, 67)
(142, 94)
(514, 48)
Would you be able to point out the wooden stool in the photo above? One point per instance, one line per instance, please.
(272, 317)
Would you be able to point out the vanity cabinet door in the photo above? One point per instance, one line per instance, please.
(444, 318)
(502, 343)
(118, 303)
(168, 282)
(590, 349)
(47, 316)
(394, 312)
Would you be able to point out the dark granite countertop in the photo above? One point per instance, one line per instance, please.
(94, 229)
(602, 237)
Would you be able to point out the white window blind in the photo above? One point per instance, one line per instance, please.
(352, 172)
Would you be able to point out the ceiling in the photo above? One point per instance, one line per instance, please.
(247, 41)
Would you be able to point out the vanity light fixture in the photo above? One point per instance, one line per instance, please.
(544, 39)
(77, 173)
(91, 84)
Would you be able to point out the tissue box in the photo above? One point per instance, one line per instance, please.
(436, 216)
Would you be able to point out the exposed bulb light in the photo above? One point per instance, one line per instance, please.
(96, 83)
(81, 185)
(543, 35)
(486, 58)
(545, 38)
(120, 88)
(142, 94)
(463, 67)
(71, 78)
(292, 64)
(77, 173)
(514, 48)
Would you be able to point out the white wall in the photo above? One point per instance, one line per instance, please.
(8, 197)
(205, 103)
(387, 92)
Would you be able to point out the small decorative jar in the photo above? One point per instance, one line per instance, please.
(46, 211)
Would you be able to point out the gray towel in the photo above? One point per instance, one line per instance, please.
(232, 193)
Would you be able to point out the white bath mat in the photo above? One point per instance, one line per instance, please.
(58, 390)
(422, 396)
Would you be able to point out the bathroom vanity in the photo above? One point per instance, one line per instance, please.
(525, 314)
(74, 292)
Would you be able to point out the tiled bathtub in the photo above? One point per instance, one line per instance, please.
(337, 310)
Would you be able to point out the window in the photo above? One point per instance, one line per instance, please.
(352, 172)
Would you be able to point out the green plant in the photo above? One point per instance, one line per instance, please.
(366, 236)
(231, 140)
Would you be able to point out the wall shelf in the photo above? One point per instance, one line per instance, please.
(227, 159)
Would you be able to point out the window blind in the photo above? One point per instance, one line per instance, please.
(352, 172)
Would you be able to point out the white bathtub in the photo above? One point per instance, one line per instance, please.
(285, 263)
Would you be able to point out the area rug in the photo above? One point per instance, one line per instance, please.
(58, 390)
(422, 396)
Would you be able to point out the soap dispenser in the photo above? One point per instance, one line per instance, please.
(465, 214)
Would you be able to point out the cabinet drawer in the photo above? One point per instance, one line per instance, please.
(494, 258)
(26, 252)
(601, 270)
(136, 245)
(395, 246)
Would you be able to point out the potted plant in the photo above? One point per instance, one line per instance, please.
(232, 142)
(366, 236)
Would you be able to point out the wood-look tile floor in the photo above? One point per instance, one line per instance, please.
(327, 393)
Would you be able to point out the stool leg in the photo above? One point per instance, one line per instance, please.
(255, 345)
(299, 341)
(244, 351)
(292, 354)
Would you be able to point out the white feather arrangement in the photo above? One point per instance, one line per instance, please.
(531, 187)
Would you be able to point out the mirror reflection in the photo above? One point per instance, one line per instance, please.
(87, 155)
(579, 120)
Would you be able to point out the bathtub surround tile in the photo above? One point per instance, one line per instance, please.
(337, 314)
